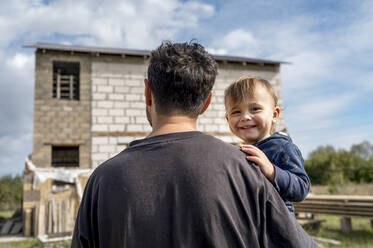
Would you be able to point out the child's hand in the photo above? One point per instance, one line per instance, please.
(259, 158)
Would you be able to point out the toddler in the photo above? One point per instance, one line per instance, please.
(251, 112)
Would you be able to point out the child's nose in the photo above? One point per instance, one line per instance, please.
(247, 116)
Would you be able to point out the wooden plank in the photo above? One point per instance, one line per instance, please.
(58, 86)
(358, 198)
(335, 212)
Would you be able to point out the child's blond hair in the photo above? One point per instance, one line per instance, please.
(245, 87)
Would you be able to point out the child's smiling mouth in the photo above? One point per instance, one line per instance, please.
(247, 127)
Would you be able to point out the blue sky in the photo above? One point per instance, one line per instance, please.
(327, 89)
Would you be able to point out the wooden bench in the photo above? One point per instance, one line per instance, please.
(346, 206)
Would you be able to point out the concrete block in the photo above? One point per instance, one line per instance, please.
(134, 128)
(100, 128)
(116, 128)
(131, 82)
(100, 156)
(100, 140)
(142, 120)
(99, 112)
(107, 148)
(104, 120)
(205, 120)
(135, 112)
(133, 97)
(121, 105)
(105, 104)
(121, 120)
(224, 128)
(137, 105)
(137, 90)
(113, 140)
(99, 81)
(119, 97)
(126, 140)
(121, 89)
(98, 96)
(116, 82)
(116, 112)
(105, 89)
(211, 128)
(220, 121)
(94, 148)
(120, 148)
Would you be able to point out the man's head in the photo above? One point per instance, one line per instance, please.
(181, 77)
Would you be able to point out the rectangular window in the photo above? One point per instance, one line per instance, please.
(65, 156)
(66, 80)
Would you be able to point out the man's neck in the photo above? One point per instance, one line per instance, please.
(173, 124)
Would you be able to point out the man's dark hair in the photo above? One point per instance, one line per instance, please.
(181, 76)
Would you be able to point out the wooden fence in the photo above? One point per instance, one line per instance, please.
(346, 206)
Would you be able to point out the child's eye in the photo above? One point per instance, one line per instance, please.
(235, 112)
(256, 109)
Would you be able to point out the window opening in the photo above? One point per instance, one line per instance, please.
(65, 156)
(66, 80)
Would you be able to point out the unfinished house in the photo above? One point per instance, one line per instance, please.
(89, 106)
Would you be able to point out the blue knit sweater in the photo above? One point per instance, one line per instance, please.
(291, 180)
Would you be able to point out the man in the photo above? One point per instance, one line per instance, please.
(179, 187)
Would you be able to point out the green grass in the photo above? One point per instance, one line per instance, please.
(6, 214)
(361, 235)
(29, 243)
(34, 243)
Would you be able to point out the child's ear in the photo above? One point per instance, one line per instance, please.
(226, 117)
(276, 114)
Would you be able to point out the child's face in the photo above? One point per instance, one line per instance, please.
(252, 119)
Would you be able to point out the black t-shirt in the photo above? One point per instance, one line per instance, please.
(183, 190)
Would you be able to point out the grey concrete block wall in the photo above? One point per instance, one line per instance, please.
(61, 121)
(118, 108)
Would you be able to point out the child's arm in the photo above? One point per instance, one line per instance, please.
(260, 159)
(290, 178)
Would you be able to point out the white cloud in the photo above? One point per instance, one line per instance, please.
(20, 61)
(13, 153)
(237, 41)
(132, 24)
(318, 112)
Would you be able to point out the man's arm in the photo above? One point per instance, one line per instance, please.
(281, 229)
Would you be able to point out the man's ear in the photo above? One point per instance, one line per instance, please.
(207, 103)
(276, 114)
(148, 93)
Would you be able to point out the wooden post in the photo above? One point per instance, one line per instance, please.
(27, 222)
(346, 225)
(58, 91)
(41, 220)
(71, 86)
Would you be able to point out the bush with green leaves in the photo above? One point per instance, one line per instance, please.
(328, 166)
(11, 192)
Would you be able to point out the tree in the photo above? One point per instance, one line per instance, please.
(363, 150)
(329, 166)
(11, 192)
